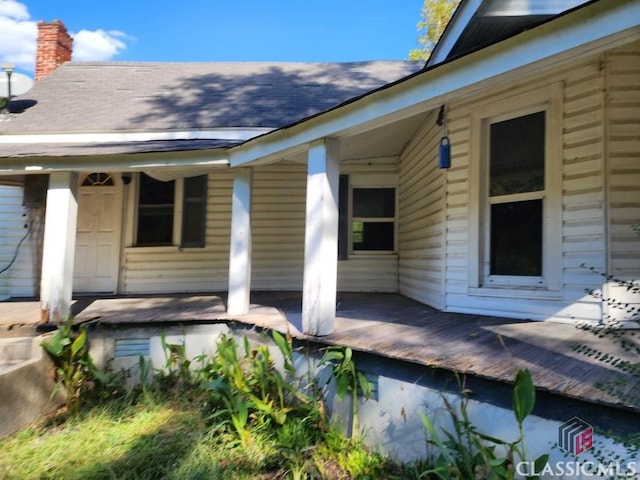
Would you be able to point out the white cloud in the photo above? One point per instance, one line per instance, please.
(98, 45)
(14, 10)
(18, 37)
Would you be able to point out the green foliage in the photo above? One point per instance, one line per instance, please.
(175, 373)
(75, 370)
(466, 452)
(349, 380)
(435, 17)
(622, 350)
(247, 386)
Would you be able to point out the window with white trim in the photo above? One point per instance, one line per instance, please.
(367, 216)
(163, 205)
(516, 193)
(515, 229)
(373, 219)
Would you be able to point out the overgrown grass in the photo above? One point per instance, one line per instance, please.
(236, 417)
(159, 435)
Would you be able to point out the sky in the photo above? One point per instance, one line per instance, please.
(215, 30)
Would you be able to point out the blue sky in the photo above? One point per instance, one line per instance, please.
(215, 30)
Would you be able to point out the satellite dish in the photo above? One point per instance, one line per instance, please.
(19, 84)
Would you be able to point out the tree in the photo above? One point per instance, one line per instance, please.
(435, 16)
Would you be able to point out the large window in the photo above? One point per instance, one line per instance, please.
(515, 228)
(160, 207)
(516, 194)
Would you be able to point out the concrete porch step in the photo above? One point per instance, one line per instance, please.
(26, 383)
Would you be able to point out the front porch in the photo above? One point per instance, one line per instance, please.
(489, 349)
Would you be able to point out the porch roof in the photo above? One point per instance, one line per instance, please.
(391, 326)
(81, 101)
(586, 30)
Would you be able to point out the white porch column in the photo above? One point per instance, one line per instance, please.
(240, 251)
(59, 247)
(321, 239)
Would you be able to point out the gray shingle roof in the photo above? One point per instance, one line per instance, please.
(136, 97)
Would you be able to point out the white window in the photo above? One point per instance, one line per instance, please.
(515, 231)
(367, 210)
(373, 219)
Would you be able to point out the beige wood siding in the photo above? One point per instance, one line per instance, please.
(364, 272)
(623, 112)
(623, 169)
(171, 269)
(600, 148)
(421, 226)
(278, 223)
(18, 279)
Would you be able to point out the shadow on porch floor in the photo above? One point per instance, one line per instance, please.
(391, 326)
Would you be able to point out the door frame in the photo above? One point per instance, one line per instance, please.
(118, 185)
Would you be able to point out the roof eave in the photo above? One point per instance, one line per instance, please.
(459, 21)
(213, 158)
(594, 27)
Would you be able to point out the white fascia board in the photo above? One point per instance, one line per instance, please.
(461, 18)
(231, 133)
(590, 29)
(117, 163)
(511, 8)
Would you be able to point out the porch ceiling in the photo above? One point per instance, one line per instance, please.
(385, 141)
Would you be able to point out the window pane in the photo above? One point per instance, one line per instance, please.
(155, 225)
(155, 192)
(516, 238)
(517, 155)
(194, 211)
(155, 212)
(374, 202)
(372, 235)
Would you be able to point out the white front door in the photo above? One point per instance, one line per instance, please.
(98, 234)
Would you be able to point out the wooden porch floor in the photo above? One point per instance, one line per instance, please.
(388, 325)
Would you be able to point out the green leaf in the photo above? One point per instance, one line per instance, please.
(79, 343)
(524, 395)
(281, 342)
(331, 355)
(540, 463)
(342, 386)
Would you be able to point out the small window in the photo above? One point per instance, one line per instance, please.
(373, 219)
(155, 212)
(194, 211)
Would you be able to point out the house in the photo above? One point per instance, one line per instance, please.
(325, 178)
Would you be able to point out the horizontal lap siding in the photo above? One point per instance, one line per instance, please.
(583, 201)
(421, 226)
(17, 280)
(278, 226)
(166, 270)
(624, 160)
(369, 273)
(277, 223)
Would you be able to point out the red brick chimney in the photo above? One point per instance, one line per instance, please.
(55, 46)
